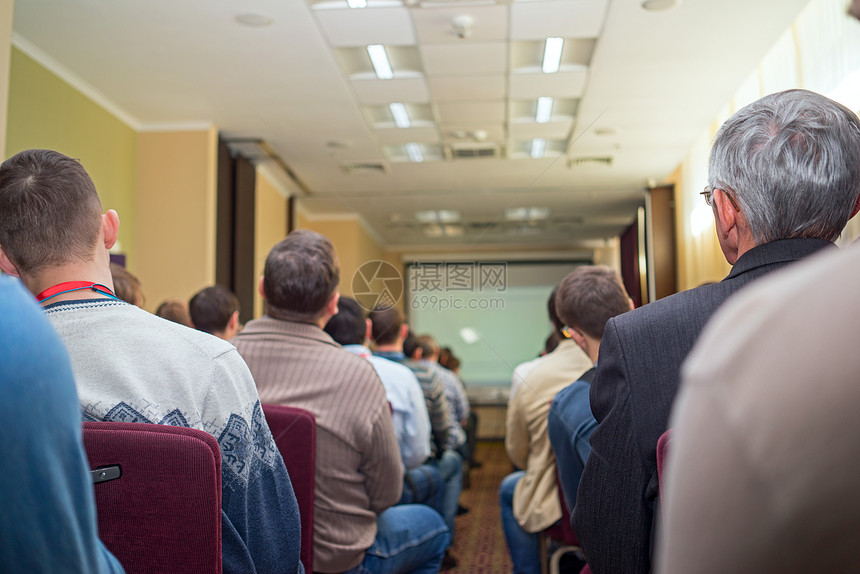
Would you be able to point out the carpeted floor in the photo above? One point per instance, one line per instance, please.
(479, 544)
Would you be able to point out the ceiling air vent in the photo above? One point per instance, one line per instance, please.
(365, 167)
(474, 151)
(580, 161)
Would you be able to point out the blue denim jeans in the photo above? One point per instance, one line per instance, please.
(424, 485)
(451, 467)
(523, 546)
(409, 538)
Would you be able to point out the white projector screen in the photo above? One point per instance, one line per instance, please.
(493, 315)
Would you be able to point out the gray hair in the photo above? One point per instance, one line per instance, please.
(792, 162)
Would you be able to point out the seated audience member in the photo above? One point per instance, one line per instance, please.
(591, 295)
(131, 366)
(215, 310)
(126, 286)
(455, 394)
(522, 370)
(766, 438)
(359, 474)
(422, 483)
(48, 522)
(174, 310)
(388, 332)
(529, 498)
(784, 177)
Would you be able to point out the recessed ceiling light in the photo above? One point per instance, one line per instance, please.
(538, 148)
(659, 5)
(438, 216)
(415, 153)
(380, 62)
(544, 109)
(552, 55)
(527, 213)
(356, 3)
(400, 115)
(254, 20)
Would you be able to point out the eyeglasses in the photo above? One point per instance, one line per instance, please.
(709, 192)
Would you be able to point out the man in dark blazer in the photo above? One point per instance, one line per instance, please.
(784, 178)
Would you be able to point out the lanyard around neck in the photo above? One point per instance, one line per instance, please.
(69, 286)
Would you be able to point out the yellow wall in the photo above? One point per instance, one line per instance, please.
(46, 112)
(6, 10)
(354, 245)
(176, 206)
(270, 226)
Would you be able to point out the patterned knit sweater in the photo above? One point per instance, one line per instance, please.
(132, 366)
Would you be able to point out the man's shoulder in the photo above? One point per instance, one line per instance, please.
(393, 370)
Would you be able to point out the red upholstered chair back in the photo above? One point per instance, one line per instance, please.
(295, 433)
(163, 512)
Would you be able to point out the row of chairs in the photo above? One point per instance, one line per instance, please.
(562, 536)
(158, 490)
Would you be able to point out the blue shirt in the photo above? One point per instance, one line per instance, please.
(409, 410)
(47, 514)
(570, 425)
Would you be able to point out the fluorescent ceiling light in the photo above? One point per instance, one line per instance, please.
(538, 147)
(356, 3)
(544, 109)
(527, 213)
(380, 62)
(440, 216)
(401, 117)
(552, 55)
(415, 153)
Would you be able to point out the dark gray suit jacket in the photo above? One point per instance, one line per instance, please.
(631, 397)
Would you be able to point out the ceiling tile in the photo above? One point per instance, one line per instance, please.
(560, 85)
(436, 25)
(361, 27)
(464, 88)
(459, 112)
(564, 18)
(550, 131)
(374, 91)
(426, 134)
(464, 59)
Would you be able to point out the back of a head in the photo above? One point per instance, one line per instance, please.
(125, 285)
(791, 160)
(300, 276)
(174, 310)
(348, 327)
(428, 346)
(210, 309)
(385, 325)
(51, 213)
(589, 296)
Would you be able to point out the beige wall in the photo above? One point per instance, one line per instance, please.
(270, 226)
(175, 239)
(47, 112)
(6, 11)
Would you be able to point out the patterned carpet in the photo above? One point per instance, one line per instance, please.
(480, 543)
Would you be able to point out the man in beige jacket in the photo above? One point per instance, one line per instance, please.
(529, 498)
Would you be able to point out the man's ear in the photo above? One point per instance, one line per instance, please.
(260, 287)
(7, 266)
(331, 307)
(110, 225)
(404, 331)
(368, 330)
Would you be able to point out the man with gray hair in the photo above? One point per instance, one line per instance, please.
(784, 179)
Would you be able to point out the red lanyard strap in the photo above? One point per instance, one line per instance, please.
(69, 286)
